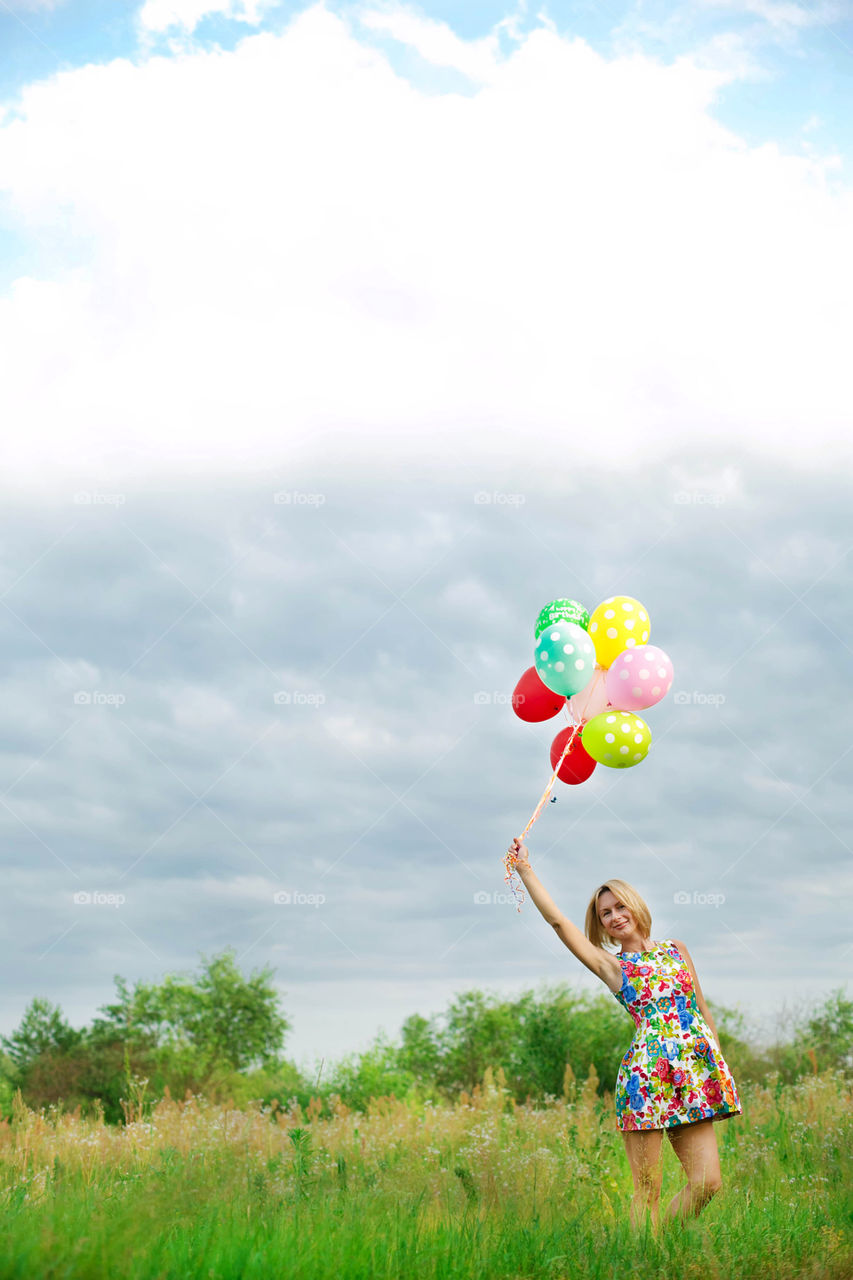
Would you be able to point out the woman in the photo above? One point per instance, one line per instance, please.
(673, 1079)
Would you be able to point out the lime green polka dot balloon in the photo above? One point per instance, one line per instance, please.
(562, 611)
(619, 739)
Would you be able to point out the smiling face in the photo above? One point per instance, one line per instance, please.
(615, 916)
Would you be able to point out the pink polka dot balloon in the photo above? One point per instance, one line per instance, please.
(639, 677)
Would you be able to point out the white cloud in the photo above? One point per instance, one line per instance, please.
(782, 15)
(734, 55)
(437, 43)
(286, 250)
(164, 15)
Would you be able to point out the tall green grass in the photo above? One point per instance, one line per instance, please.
(484, 1187)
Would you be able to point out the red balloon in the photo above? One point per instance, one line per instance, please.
(578, 764)
(533, 701)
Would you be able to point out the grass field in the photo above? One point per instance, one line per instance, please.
(483, 1188)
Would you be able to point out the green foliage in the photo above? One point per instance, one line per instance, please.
(532, 1038)
(280, 1082)
(828, 1034)
(537, 1035)
(220, 1034)
(7, 1084)
(420, 1051)
(221, 1021)
(479, 1031)
(564, 1026)
(182, 1034)
(43, 1029)
(810, 1039)
(374, 1073)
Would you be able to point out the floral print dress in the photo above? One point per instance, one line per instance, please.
(673, 1072)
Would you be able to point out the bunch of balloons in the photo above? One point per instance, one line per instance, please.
(601, 670)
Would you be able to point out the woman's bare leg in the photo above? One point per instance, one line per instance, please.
(643, 1148)
(696, 1147)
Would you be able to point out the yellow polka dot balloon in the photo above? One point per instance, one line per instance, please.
(619, 739)
(619, 622)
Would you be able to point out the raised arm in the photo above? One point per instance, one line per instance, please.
(604, 966)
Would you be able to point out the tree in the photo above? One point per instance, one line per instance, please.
(200, 1029)
(43, 1029)
(828, 1033)
(479, 1031)
(375, 1072)
(420, 1052)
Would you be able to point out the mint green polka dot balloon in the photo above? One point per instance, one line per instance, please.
(561, 611)
(565, 658)
(619, 739)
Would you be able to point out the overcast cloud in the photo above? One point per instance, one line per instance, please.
(147, 633)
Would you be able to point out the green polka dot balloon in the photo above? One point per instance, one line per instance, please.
(619, 739)
(562, 611)
(565, 658)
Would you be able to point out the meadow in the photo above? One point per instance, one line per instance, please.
(480, 1187)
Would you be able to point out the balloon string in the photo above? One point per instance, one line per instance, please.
(511, 859)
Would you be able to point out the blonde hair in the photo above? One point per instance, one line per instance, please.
(627, 894)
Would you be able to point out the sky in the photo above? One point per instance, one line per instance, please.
(334, 342)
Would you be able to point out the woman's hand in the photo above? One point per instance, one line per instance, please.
(523, 863)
